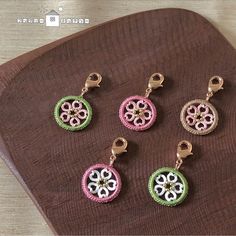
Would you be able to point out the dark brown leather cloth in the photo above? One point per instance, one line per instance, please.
(49, 161)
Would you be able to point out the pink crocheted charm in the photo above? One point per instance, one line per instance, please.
(101, 183)
(137, 113)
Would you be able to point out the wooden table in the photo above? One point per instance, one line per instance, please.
(18, 215)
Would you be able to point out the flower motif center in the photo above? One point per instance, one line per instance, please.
(199, 117)
(138, 112)
(73, 112)
(102, 182)
(168, 186)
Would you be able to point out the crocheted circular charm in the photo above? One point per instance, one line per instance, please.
(101, 183)
(73, 113)
(199, 117)
(137, 113)
(168, 186)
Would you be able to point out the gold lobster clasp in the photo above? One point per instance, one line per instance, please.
(184, 149)
(119, 146)
(155, 81)
(93, 80)
(215, 84)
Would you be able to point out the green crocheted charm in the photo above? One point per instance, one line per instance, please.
(73, 113)
(168, 186)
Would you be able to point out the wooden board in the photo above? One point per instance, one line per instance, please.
(49, 162)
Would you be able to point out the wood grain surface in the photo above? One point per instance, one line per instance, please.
(18, 215)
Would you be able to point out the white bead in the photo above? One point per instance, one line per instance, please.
(65, 117)
(171, 177)
(91, 189)
(129, 116)
(131, 106)
(180, 188)
(139, 121)
(191, 120)
(170, 198)
(82, 114)
(201, 125)
(190, 108)
(66, 106)
(159, 187)
(94, 176)
(106, 174)
(210, 121)
(74, 121)
(148, 116)
(111, 184)
(204, 108)
(141, 105)
(76, 105)
(103, 192)
(160, 179)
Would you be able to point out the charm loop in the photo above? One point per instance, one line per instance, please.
(215, 84)
(155, 81)
(119, 146)
(184, 149)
